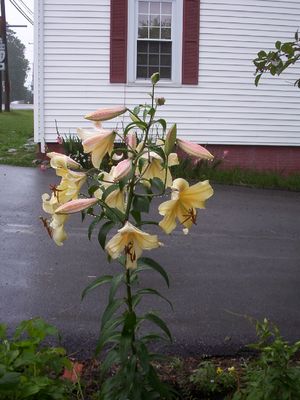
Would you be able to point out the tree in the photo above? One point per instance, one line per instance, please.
(18, 68)
(277, 60)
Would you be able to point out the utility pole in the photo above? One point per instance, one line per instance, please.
(6, 73)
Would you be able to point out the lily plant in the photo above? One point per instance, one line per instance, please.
(117, 201)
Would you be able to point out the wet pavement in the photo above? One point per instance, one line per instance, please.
(242, 258)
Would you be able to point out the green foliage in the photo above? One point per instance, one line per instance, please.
(276, 374)
(278, 60)
(18, 68)
(16, 127)
(29, 370)
(209, 379)
(74, 149)
(235, 176)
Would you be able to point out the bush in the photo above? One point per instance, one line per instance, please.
(28, 370)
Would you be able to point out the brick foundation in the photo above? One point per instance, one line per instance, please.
(282, 159)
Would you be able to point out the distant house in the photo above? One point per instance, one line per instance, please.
(97, 53)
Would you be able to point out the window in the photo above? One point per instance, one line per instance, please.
(154, 45)
(147, 36)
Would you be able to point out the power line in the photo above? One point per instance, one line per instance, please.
(19, 8)
(26, 7)
(21, 11)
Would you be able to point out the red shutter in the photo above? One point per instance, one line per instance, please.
(190, 42)
(118, 41)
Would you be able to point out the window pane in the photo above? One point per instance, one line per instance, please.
(142, 47)
(143, 20)
(166, 47)
(165, 21)
(154, 33)
(143, 7)
(165, 72)
(165, 33)
(143, 33)
(154, 47)
(155, 7)
(154, 59)
(166, 8)
(165, 60)
(155, 20)
(142, 72)
(142, 59)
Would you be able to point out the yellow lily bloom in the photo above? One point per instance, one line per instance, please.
(98, 144)
(70, 185)
(61, 162)
(182, 206)
(56, 226)
(116, 198)
(132, 241)
(154, 167)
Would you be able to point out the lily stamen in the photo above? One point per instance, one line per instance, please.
(129, 250)
(46, 226)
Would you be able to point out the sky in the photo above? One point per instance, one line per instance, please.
(24, 34)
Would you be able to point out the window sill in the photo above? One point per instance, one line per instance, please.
(147, 82)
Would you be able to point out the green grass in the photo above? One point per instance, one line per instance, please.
(16, 127)
(215, 173)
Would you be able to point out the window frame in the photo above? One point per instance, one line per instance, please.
(176, 38)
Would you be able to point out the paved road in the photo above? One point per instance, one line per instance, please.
(243, 257)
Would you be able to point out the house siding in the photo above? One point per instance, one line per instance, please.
(224, 108)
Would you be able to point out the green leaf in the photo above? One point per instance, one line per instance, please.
(257, 79)
(95, 283)
(137, 216)
(141, 203)
(147, 263)
(112, 357)
(112, 307)
(103, 232)
(129, 323)
(114, 215)
(153, 292)
(93, 224)
(161, 122)
(158, 184)
(278, 44)
(115, 283)
(159, 322)
(9, 380)
(92, 189)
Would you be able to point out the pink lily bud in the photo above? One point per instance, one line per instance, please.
(104, 114)
(131, 140)
(121, 170)
(74, 206)
(194, 149)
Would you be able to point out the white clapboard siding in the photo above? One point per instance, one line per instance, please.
(72, 73)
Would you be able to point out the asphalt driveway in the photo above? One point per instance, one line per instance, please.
(243, 257)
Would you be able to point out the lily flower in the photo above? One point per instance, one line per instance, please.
(70, 185)
(153, 168)
(98, 144)
(194, 149)
(61, 162)
(77, 205)
(56, 226)
(116, 198)
(182, 206)
(105, 114)
(132, 241)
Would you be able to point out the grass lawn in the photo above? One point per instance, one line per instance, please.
(16, 127)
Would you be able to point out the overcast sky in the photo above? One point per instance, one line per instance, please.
(24, 34)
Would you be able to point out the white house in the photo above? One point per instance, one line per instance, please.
(97, 53)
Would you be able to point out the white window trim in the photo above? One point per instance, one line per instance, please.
(177, 26)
